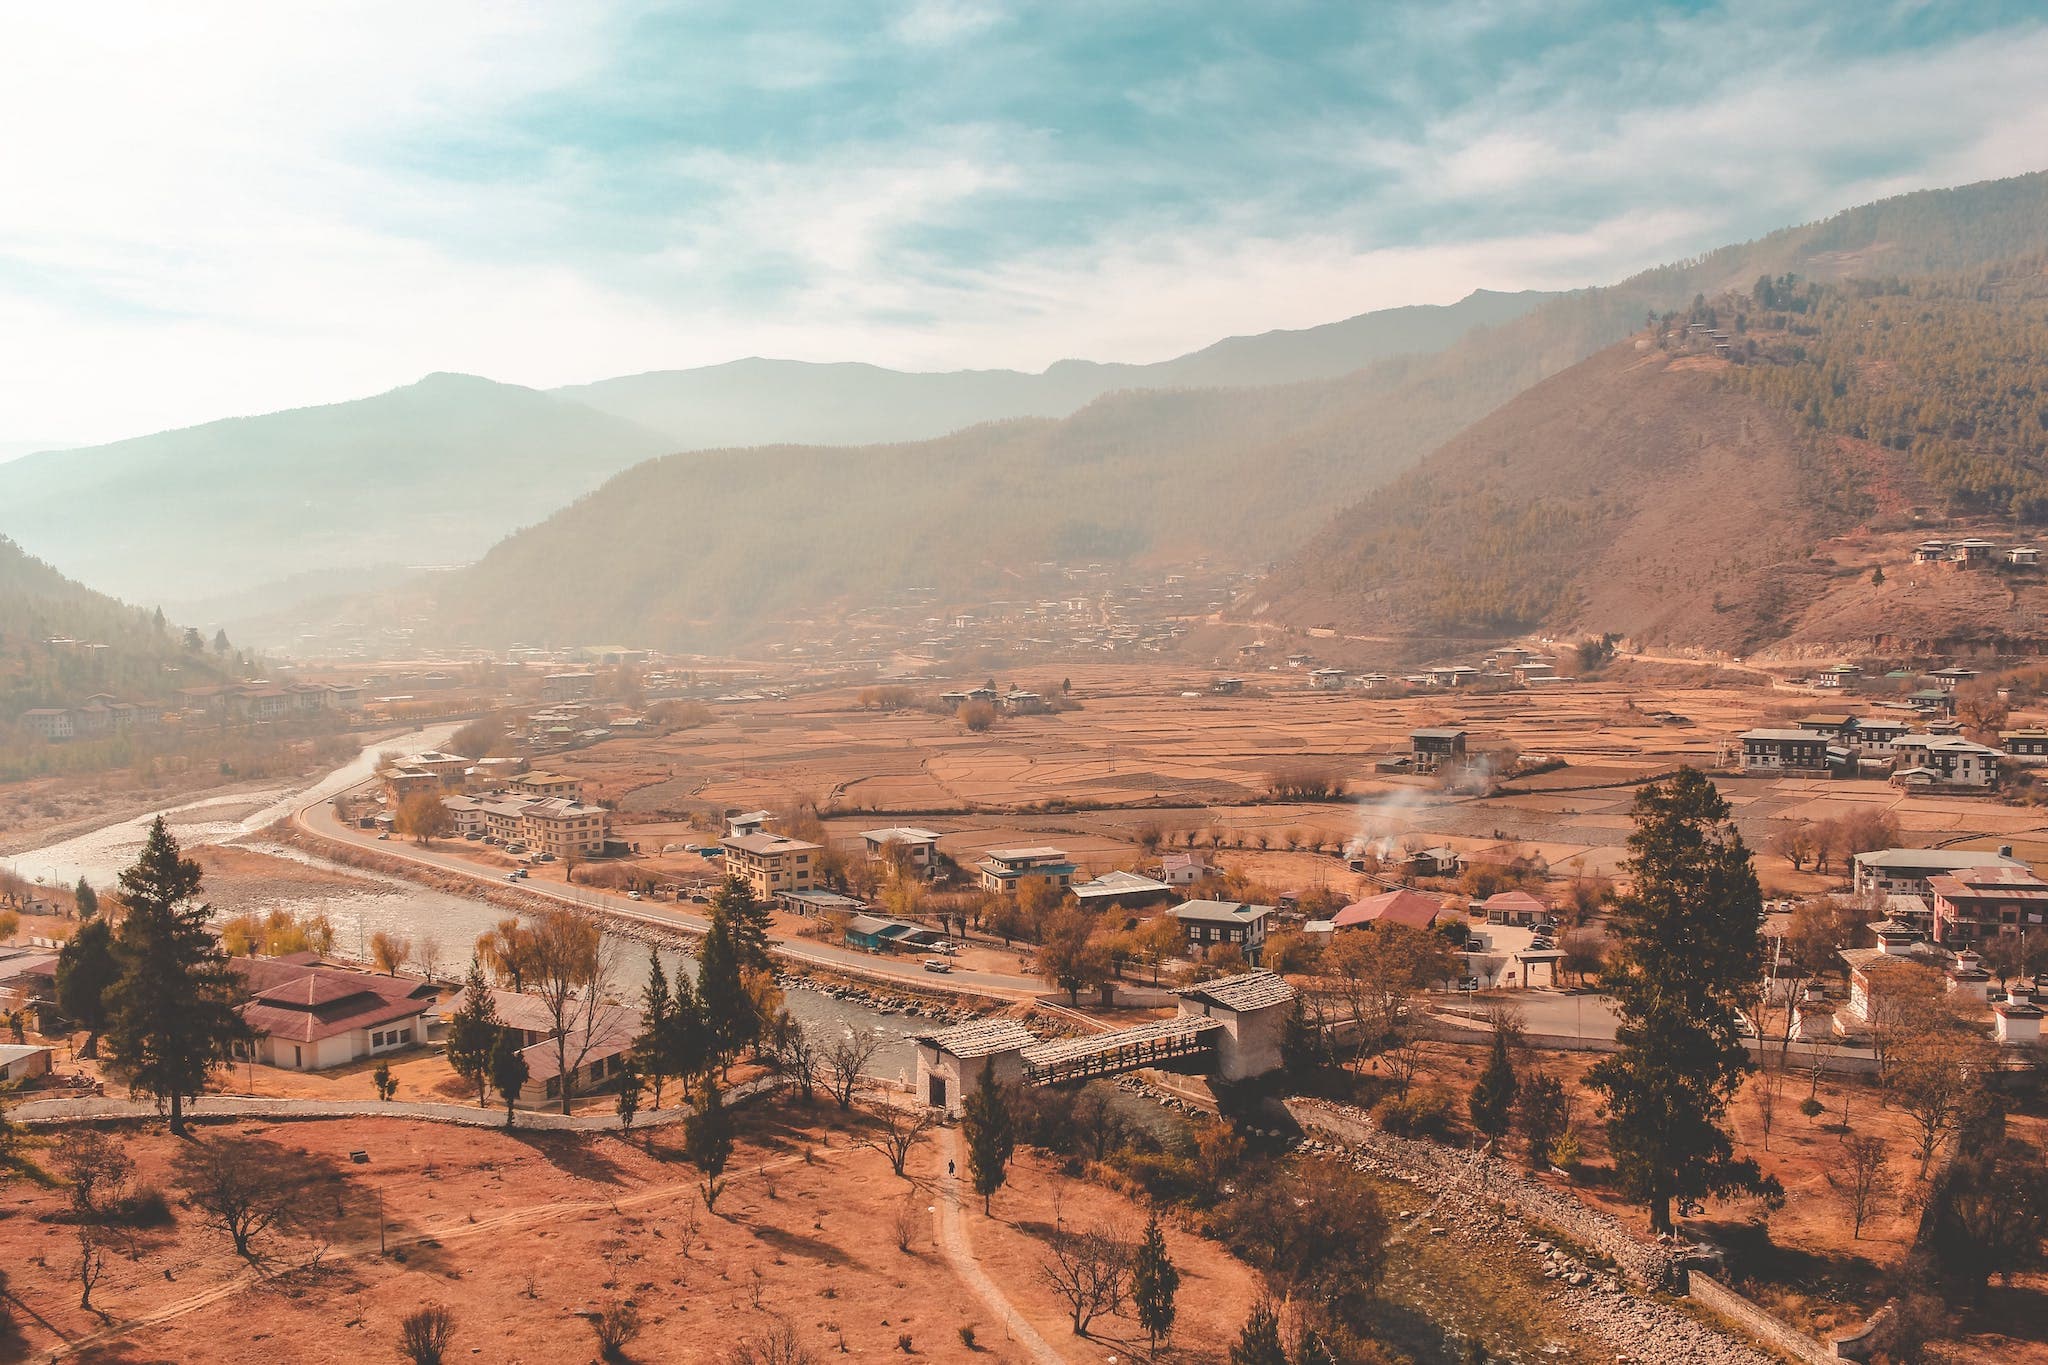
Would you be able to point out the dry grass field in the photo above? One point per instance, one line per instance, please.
(1140, 754)
(805, 1235)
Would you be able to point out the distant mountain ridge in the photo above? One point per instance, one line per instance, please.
(1236, 477)
(288, 504)
(788, 402)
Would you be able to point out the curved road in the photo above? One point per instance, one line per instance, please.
(317, 818)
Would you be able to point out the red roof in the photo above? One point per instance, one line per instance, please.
(1407, 907)
(325, 1002)
(1513, 902)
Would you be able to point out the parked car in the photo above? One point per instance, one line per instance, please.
(472, 836)
(545, 858)
(946, 946)
(517, 874)
(385, 835)
(632, 895)
(937, 964)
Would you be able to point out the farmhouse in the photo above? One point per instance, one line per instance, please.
(1006, 871)
(1208, 924)
(1131, 890)
(917, 845)
(1784, 751)
(1182, 869)
(1428, 748)
(1953, 760)
(1513, 907)
(2028, 746)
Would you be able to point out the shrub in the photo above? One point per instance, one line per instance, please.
(1420, 1113)
(615, 1327)
(977, 715)
(424, 1334)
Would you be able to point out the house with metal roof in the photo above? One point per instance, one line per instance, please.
(1212, 924)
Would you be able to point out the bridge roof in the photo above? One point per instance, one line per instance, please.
(982, 1038)
(1055, 1050)
(1245, 991)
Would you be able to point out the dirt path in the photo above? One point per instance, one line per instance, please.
(960, 1255)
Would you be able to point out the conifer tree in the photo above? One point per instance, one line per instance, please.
(508, 1070)
(1259, 1342)
(473, 1032)
(86, 899)
(657, 1026)
(707, 1140)
(86, 972)
(991, 1135)
(1687, 955)
(173, 1019)
(1493, 1094)
(748, 919)
(1155, 1281)
(728, 1012)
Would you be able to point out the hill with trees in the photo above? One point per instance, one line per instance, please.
(717, 546)
(60, 642)
(1761, 492)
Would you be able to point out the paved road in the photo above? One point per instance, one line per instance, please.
(318, 818)
(1554, 1013)
(86, 1108)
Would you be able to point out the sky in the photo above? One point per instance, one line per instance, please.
(217, 208)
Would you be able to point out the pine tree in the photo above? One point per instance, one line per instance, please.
(1542, 1113)
(1259, 1343)
(508, 1070)
(1303, 1049)
(707, 1140)
(728, 1012)
(1155, 1281)
(173, 1020)
(991, 1135)
(687, 1044)
(473, 1032)
(657, 1026)
(1493, 1095)
(749, 921)
(87, 899)
(86, 972)
(1687, 955)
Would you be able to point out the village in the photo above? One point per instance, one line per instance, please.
(1151, 873)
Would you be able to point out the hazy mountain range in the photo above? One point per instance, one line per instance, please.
(1236, 455)
(297, 503)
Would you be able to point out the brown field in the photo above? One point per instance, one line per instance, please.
(805, 1234)
(1137, 753)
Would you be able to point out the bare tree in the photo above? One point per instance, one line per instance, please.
(424, 1334)
(1089, 1271)
(900, 1133)
(245, 1187)
(908, 1221)
(846, 1061)
(98, 1171)
(389, 951)
(796, 1052)
(1862, 1177)
(427, 957)
(1403, 1059)
(571, 967)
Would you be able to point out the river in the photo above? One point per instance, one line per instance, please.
(392, 904)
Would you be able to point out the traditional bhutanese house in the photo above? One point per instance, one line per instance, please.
(2028, 746)
(1930, 552)
(1770, 750)
(1006, 871)
(2023, 554)
(1956, 762)
(1411, 909)
(1976, 904)
(1182, 869)
(1904, 871)
(1209, 924)
(1432, 746)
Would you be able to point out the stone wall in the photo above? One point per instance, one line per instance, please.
(1435, 1167)
(1755, 1323)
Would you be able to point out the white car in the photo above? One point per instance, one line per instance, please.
(632, 895)
(937, 964)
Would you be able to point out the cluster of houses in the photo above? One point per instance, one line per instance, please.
(242, 703)
(1509, 666)
(1840, 744)
(498, 801)
(1972, 553)
(1015, 702)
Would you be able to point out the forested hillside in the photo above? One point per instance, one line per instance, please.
(730, 544)
(1678, 490)
(145, 658)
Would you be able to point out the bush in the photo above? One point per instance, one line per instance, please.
(424, 1334)
(1421, 1113)
(615, 1328)
(977, 715)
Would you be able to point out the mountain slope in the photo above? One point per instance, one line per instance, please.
(1736, 501)
(1235, 477)
(788, 402)
(40, 607)
(426, 474)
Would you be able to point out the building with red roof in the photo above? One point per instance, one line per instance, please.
(317, 1016)
(1404, 907)
(1512, 907)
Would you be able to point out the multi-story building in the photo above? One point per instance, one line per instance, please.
(918, 844)
(1007, 871)
(568, 686)
(770, 863)
(1980, 903)
(1905, 871)
(568, 829)
(1784, 751)
(1949, 760)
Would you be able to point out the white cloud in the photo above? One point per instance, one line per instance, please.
(934, 23)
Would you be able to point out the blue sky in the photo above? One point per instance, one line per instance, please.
(222, 208)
